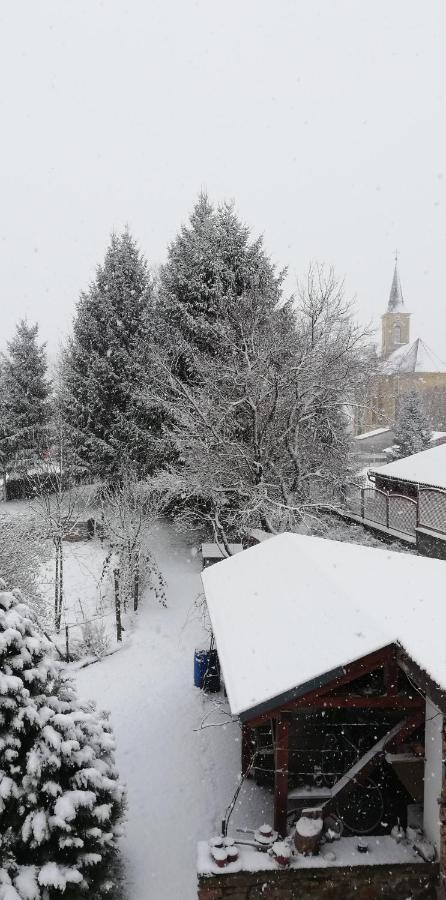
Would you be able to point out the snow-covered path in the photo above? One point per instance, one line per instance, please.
(179, 781)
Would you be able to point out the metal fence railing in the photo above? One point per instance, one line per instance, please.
(432, 509)
(396, 512)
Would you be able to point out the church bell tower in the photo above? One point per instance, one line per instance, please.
(396, 321)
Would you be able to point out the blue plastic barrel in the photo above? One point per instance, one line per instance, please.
(200, 667)
(207, 671)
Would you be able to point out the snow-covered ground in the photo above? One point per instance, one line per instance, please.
(179, 779)
(88, 591)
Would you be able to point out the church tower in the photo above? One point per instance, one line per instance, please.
(396, 321)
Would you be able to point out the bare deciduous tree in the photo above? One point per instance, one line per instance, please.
(262, 431)
(60, 502)
(130, 509)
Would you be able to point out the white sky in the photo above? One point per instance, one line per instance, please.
(325, 121)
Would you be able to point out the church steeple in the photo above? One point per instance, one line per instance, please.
(396, 302)
(396, 321)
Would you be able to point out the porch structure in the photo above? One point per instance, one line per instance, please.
(308, 630)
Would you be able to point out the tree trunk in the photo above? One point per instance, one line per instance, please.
(56, 589)
(118, 607)
(60, 582)
(136, 582)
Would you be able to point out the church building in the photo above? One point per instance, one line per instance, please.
(405, 364)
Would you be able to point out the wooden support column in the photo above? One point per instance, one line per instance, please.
(442, 817)
(248, 746)
(391, 675)
(281, 753)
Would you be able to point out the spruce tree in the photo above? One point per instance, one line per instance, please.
(25, 406)
(104, 364)
(213, 269)
(60, 799)
(412, 432)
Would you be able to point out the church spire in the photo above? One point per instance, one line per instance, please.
(396, 302)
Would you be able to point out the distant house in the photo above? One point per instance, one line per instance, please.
(213, 552)
(378, 445)
(408, 476)
(333, 660)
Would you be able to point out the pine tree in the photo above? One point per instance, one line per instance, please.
(104, 364)
(25, 406)
(212, 268)
(412, 432)
(60, 799)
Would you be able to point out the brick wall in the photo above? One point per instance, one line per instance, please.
(419, 882)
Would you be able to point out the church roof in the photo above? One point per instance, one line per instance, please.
(396, 302)
(412, 358)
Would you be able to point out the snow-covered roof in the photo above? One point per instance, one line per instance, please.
(412, 358)
(293, 609)
(369, 434)
(217, 551)
(427, 467)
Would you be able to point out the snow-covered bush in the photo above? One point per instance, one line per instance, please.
(95, 638)
(60, 798)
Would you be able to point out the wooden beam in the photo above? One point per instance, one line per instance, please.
(409, 725)
(363, 766)
(352, 672)
(391, 674)
(281, 754)
(248, 747)
(384, 701)
(422, 680)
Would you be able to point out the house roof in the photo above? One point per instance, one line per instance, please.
(427, 467)
(371, 434)
(412, 358)
(290, 612)
(217, 551)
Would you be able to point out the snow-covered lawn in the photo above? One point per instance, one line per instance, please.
(88, 596)
(179, 779)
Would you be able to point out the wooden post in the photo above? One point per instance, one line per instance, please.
(248, 746)
(136, 582)
(391, 675)
(117, 606)
(281, 752)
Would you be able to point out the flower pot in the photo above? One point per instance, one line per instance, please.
(265, 837)
(281, 852)
(220, 857)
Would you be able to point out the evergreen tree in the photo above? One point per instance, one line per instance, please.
(25, 406)
(412, 432)
(212, 267)
(104, 364)
(60, 799)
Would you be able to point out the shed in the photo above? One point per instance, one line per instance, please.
(408, 475)
(213, 552)
(306, 626)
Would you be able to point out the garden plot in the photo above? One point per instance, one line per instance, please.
(88, 611)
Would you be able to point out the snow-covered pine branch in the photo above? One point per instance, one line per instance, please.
(61, 800)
